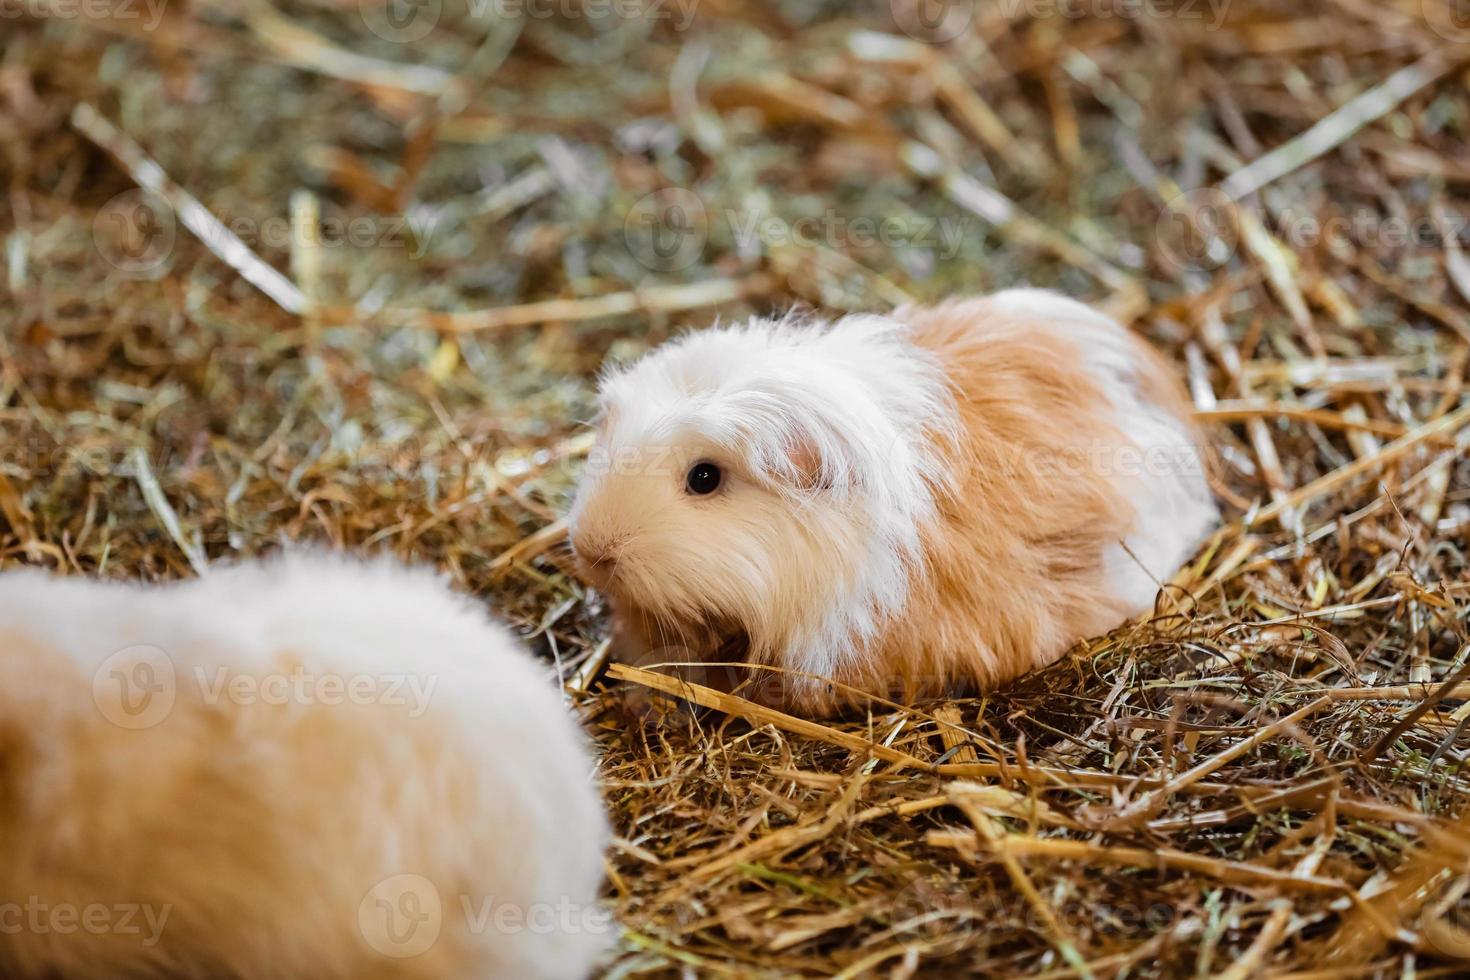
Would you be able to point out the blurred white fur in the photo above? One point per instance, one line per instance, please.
(274, 833)
(801, 571)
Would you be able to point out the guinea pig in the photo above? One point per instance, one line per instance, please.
(305, 767)
(927, 502)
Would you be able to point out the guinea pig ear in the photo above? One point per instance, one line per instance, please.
(810, 469)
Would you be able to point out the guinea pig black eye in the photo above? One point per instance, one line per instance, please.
(704, 478)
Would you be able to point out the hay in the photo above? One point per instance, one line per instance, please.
(452, 235)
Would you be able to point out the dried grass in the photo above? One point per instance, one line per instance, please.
(1266, 779)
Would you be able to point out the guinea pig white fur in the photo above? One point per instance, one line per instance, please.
(940, 498)
(305, 767)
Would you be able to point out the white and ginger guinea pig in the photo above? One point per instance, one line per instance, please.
(299, 768)
(931, 501)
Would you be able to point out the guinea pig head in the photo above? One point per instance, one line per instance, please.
(770, 480)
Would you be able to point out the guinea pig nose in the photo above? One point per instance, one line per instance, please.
(596, 553)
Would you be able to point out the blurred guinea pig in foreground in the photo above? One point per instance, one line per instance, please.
(938, 499)
(299, 768)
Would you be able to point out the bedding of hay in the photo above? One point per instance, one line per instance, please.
(345, 272)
